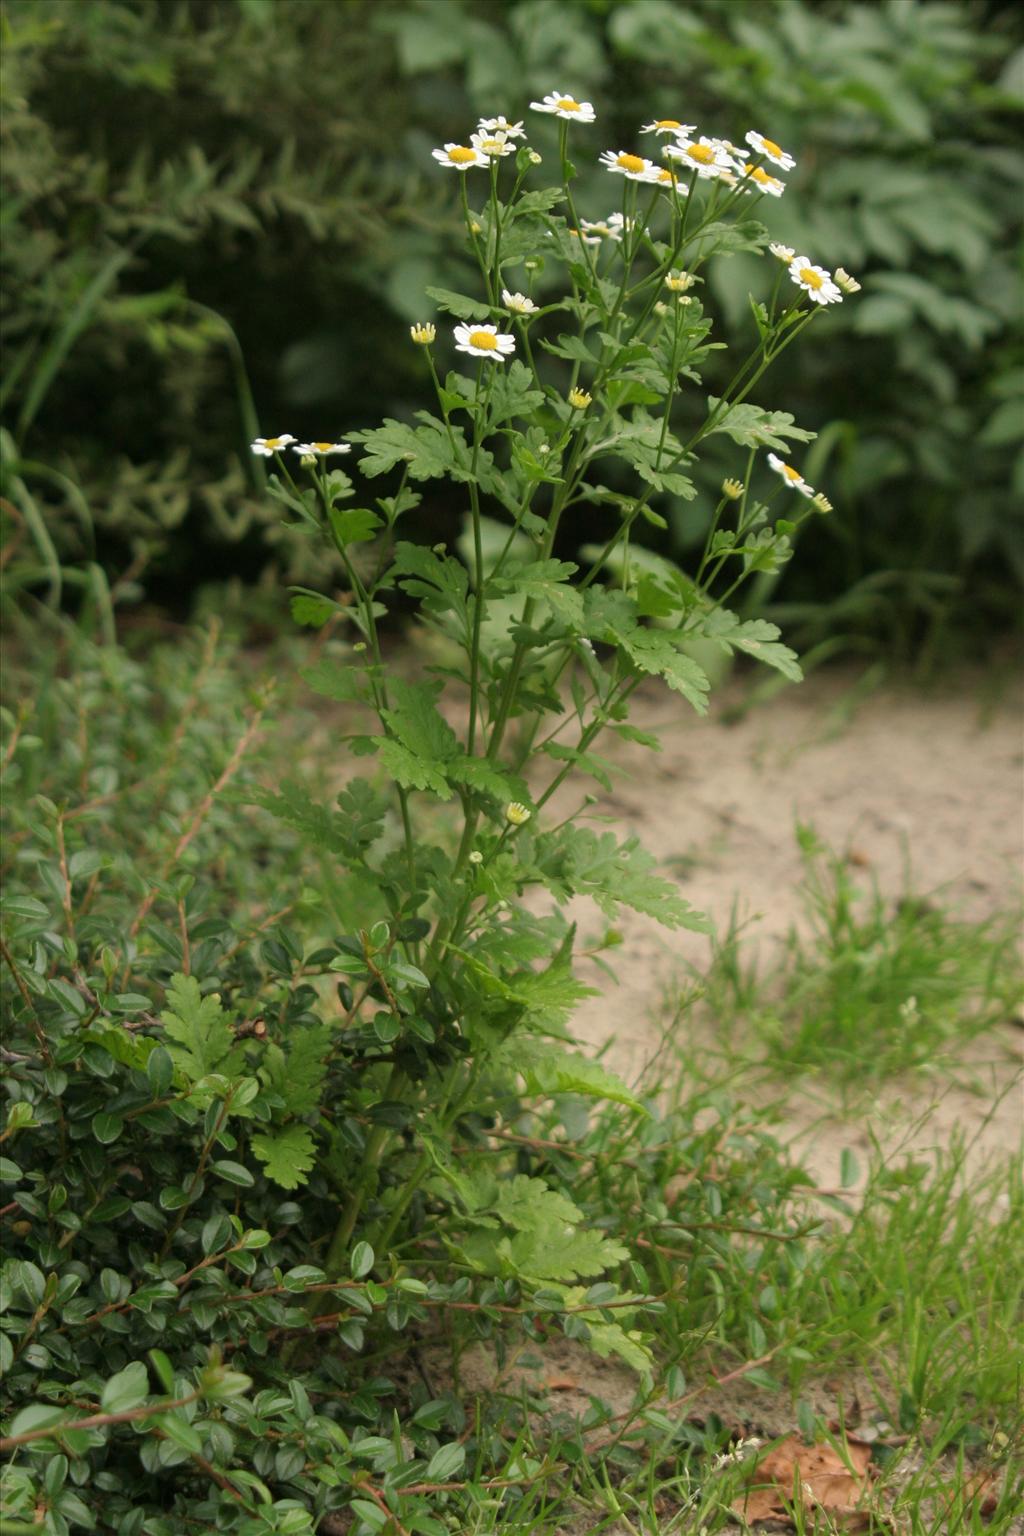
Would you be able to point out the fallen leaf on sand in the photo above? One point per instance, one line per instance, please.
(561, 1384)
(815, 1476)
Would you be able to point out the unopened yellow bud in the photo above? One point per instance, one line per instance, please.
(516, 813)
(847, 283)
(679, 282)
(579, 399)
(821, 502)
(423, 335)
(732, 489)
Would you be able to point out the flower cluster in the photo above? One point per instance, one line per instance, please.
(755, 167)
(267, 447)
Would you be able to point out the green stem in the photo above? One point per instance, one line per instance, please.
(338, 1250)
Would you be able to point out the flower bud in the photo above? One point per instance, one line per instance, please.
(579, 399)
(422, 334)
(516, 813)
(732, 489)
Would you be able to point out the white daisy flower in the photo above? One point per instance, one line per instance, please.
(782, 253)
(661, 176)
(518, 303)
(770, 150)
(793, 478)
(565, 106)
(493, 145)
(708, 157)
(584, 234)
(266, 447)
(611, 228)
(460, 157)
(815, 281)
(625, 164)
(669, 125)
(320, 450)
(484, 341)
(739, 156)
(764, 183)
(501, 125)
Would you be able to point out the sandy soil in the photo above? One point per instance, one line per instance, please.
(918, 790)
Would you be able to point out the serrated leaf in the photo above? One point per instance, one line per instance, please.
(547, 1070)
(756, 637)
(513, 393)
(287, 1154)
(599, 768)
(199, 1026)
(578, 861)
(338, 680)
(548, 581)
(410, 771)
(441, 581)
(753, 427)
(310, 610)
(655, 652)
(459, 304)
(416, 721)
(426, 451)
(488, 778)
(354, 525)
(298, 1074)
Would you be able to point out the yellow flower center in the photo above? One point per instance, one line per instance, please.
(492, 146)
(485, 340)
(273, 442)
(568, 104)
(322, 447)
(771, 149)
(666, 177)
(811, 278)
(460, 155)
(629, 162)
(791, 473)
(701, 153)
(667, 122)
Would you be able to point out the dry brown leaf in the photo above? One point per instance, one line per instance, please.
(561, 1384)
(983, 1488)
(980, 1491)
(818, 1476)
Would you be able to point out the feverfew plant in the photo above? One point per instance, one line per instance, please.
(330, 1145)
(584, 345)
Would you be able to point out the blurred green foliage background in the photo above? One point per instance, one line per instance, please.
(220, 215)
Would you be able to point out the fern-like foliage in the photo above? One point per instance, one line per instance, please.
(199, 1029)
